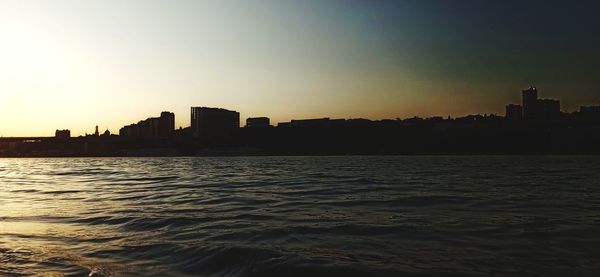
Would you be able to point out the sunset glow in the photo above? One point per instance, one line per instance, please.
(69, 64)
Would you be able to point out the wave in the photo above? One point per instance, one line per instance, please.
(299, 216)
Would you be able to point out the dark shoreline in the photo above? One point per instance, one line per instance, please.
(328, 155)
(474, 136)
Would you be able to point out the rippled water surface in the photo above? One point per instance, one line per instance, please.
(300, 216)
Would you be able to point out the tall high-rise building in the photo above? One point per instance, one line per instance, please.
(166, 126)
(530, 103)
(208, 123)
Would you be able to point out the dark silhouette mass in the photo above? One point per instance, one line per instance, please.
(536, 126)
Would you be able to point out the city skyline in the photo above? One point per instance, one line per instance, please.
(72, 66)
(531, 107)
(534, 126)
(509, 111)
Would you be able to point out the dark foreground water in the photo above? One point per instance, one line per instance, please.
(300, 216)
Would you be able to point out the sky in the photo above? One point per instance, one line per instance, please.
(70, 64)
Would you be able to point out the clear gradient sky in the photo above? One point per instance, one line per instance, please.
(75, 64)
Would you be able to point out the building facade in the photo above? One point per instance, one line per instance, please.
(258, 122)
(208, 123)
(549, 109)
(514, 112)
(62, 134)
(530, 98)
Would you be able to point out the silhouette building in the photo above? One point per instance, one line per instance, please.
(209, 123)
(258, 122)
(155, 127)
(62, 134)
(539, 109)
(312, 122)
(530, 98)
(590, 110)
(549, 108)
(167, 124)
(514, 112)
(106, 133)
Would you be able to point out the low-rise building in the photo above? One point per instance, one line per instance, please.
(62, 134)
(258, 122)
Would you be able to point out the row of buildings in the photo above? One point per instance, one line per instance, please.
(154, 127)
(205, 123)
(534, 108)
(209, 123)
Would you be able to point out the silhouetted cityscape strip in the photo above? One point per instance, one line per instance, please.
(536, 126)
